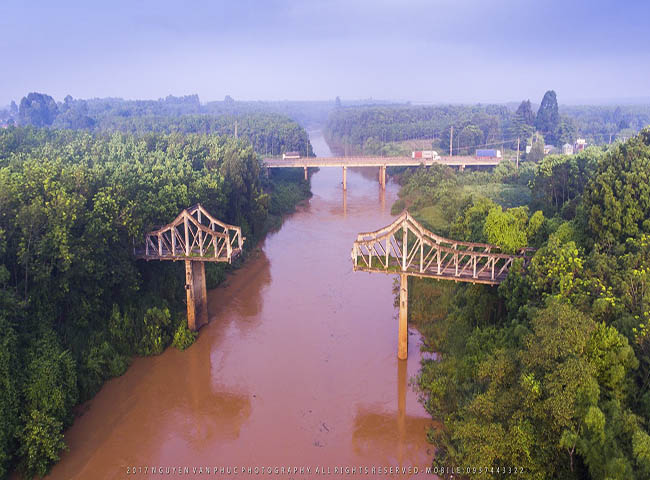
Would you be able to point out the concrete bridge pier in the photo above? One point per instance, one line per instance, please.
(197, 296)
(403, 332)
(306, 176)
(382, 176)
(345, 182)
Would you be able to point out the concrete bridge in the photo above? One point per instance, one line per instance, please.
(459, 161)
(406, 248)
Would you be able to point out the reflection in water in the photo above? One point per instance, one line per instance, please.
(297, 364)
(398, 434)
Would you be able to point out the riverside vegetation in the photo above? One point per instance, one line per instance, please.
(550, 371)
(75, 306)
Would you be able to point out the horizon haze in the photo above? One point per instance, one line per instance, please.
(420, 51)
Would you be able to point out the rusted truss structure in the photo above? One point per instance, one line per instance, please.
(405, 246)
(193, 235)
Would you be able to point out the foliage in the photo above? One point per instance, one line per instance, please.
(562, 178)
(183, 336)
(41, 440)
(507, 229)
(37, 109)
(617, 200)
(547, 120)
(552, 370)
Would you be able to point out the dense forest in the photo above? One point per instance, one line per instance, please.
(550, 371)
(262, 123)
(371, 129)
(75, 305)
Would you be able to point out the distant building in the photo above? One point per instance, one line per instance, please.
(567, 149)
(548, 149)
(580, 145)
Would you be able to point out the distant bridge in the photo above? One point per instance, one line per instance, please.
(460, 161)
(406, 248)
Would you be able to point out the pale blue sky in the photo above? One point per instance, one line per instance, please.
(437, 50)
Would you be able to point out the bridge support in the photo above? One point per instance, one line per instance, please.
(382, 176)
(197, 297)
(461, 168)
(403, 332)
(345, 182)
(306, 176)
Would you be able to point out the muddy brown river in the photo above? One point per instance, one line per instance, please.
(297, 368)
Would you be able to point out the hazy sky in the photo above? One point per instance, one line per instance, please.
(436, 50)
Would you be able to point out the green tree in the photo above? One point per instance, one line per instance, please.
(617, 200)
(37, 109)
(548, 118)
(507, 229)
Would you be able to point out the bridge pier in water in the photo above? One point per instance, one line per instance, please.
(382, 176)
(403, 333)
(345, 174)
(197, 295)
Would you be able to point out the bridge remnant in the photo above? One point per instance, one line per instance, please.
(194, 237)
(406, 248)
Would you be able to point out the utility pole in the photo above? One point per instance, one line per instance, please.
(451, 141)
(517, 153)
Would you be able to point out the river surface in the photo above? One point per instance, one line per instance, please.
(297, 368)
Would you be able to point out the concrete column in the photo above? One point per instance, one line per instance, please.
(197, 295)
(345, 182)
(401, 409)
(383, 177)
(306, 176)
(403, 333)
(461, 168)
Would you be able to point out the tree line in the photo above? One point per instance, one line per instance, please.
(368, 129)
(267, 125)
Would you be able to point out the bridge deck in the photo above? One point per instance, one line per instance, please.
(195, 256)
(359, 161)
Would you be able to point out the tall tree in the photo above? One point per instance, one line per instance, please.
(37, 109)
(548, 117)
(524, 113)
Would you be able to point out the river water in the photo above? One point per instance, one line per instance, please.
(297, 368)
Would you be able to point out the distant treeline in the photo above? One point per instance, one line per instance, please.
(75, 305)
(269, 132)
(367, 129)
